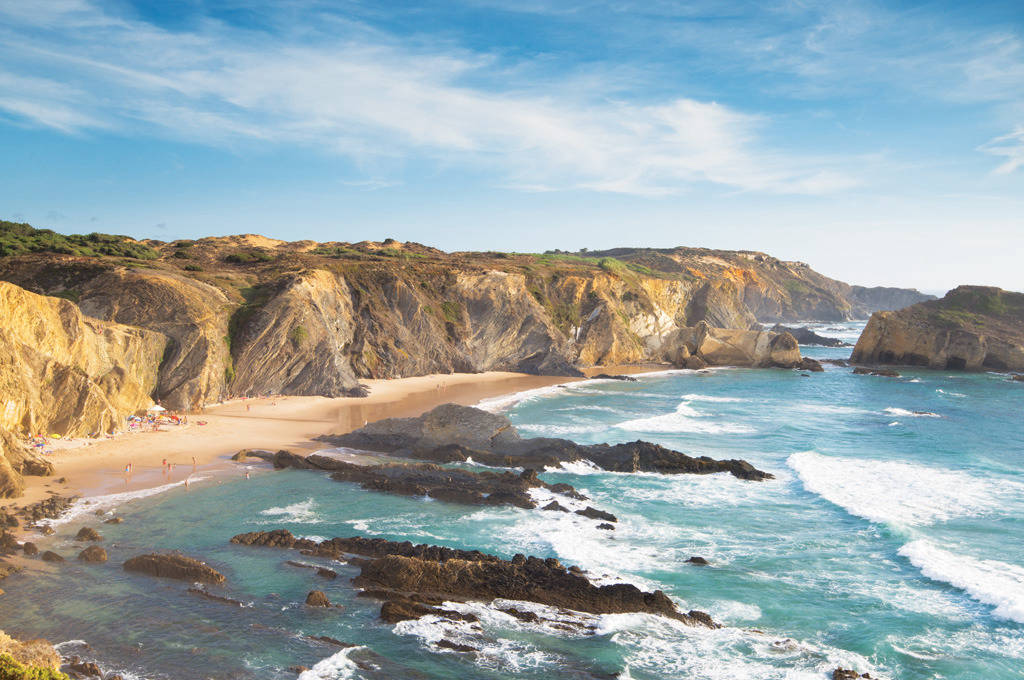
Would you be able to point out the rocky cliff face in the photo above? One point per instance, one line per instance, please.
(971, 328)
(866, 301)
(62, 370)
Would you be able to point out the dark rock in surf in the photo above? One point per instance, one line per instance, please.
(445, 643)
(882, 372)
(556, 507)
(848, 674)
(50, 556)
(88, 534)
(606, 527)
(317, 598)
(30, 549)
(413, 579)
(605, 376)
(698, 560)
(594, 513)
(451, 433)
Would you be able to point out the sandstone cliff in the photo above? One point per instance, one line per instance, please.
(63, 371)
(971, 328)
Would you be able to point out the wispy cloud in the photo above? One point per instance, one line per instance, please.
(366, 94)
(1010, 146)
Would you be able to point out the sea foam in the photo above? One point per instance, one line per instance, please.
(894, 493)
(685, 418)
(989, 581)
(335, 667)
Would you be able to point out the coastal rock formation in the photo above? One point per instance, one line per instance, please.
(446, 484)
(67, 373)
(805, 336)
(35, 657)
(308, 326)
(174, 566)
(522, 578)
(413, 579)
(451, 432)
(972, 328)
(88, 534)
(730, 347)
(866, 301)
(317, 598)
(93, 553)
(334, 313)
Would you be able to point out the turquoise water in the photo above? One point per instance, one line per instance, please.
(891, 540)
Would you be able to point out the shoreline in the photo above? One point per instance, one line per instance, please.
(96, 467)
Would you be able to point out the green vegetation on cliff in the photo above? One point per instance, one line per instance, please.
(18, 238)
(12, 670)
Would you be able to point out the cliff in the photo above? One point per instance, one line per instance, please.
(62, 370)
(971, 328)
(330, 314)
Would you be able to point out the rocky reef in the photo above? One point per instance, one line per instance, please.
(451, 433)
(174, 566)
(414, 579)
(972, 328)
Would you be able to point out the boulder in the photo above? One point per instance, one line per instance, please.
(174, 566)
(50, 556)
(848, 674)
(30, 549)
(317, 598)
(113, 520)
(698, 560)
(555, 506)
(88, 534)
(93, 553)
(594, 513)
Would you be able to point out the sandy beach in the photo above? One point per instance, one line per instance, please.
(94, 467)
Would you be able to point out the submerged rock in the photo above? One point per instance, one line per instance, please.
(698, 560)
(93, 553)
(848, 674)
(174, 566)
(50, 556)
(451, 432)
(594, 513)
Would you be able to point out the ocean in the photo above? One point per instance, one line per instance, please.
(891, 540)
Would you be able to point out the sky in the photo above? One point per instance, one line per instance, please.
(880, 142)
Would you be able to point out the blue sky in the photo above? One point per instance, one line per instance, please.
(883, 143)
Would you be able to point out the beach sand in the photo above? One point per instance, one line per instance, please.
(95, 467)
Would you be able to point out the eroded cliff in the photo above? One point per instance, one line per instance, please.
(63, 371)
(971, 328)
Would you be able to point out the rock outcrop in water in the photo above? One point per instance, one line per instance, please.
(805, 336)
(174, 566)
(972, 328)
(414, 579)
(452, 433)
